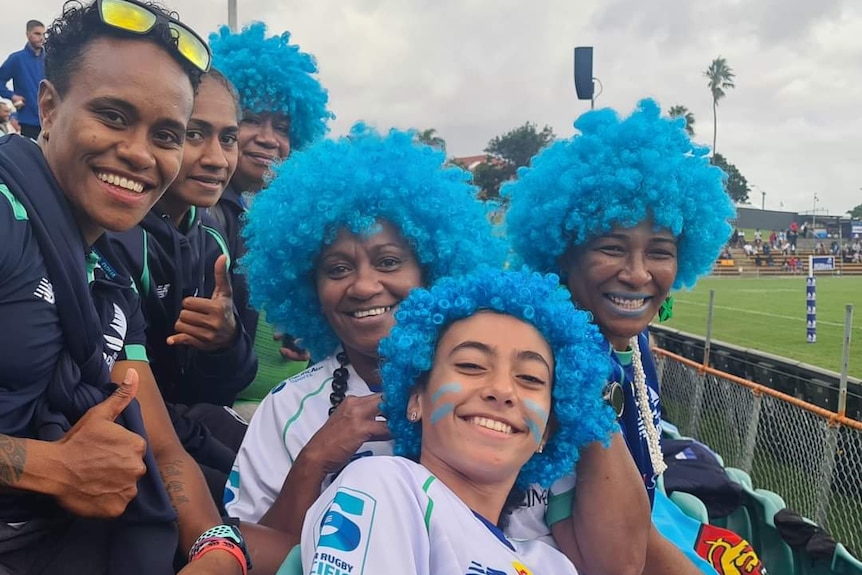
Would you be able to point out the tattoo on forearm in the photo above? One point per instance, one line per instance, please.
(13, 455)
(171, 472)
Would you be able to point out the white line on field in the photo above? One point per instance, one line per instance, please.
(763, 313)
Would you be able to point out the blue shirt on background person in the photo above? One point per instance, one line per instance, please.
(26, 68)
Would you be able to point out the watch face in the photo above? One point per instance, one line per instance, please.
(615, 398)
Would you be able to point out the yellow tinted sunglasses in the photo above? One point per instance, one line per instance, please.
(135, 17)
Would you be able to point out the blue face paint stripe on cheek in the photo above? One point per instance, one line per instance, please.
(534, 431)
(441, 412)
(541, 414)
(444, 389)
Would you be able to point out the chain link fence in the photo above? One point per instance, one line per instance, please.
(808, 455)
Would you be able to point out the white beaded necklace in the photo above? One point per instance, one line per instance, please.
(642, 399)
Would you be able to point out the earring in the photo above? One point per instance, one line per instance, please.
(414, 417)
(541, 448)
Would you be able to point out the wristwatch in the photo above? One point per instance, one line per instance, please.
(614, 396)
(228, 531)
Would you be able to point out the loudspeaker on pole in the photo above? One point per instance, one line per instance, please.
(584, 72)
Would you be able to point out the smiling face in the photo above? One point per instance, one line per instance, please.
(264, 139)
(114, 140)
(360, 282)
(209, 152)
(486, 405)
(622, 278)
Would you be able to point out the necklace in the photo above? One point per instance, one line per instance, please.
(339, 381)
(642, 399)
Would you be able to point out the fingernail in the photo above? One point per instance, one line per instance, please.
(127, 379)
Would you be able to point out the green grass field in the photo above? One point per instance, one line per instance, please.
(768, 314)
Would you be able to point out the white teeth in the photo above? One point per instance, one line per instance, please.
(121, 182)
(370, 312)
(492, 424)
(627, 303)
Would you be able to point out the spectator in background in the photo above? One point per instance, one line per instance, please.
(26, 68)
(758, 236)
(8, 125)
(772, 238)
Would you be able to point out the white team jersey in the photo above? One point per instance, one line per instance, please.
(282, 425)
(391, 515)
(542, 508)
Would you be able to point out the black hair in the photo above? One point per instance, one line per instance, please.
(216, 75)
(33, 24)
(67, 38)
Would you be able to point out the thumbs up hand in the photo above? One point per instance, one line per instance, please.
(208, 324)
(100, 461)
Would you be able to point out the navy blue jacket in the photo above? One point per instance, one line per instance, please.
(26, 70)
(167, 265)
(62, 324)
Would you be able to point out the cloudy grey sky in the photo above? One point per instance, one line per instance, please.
(473, 69)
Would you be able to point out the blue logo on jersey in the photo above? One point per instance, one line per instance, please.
(337, 530)
(231, 490)
(477, 568)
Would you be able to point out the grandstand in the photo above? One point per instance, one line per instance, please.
(744, 265)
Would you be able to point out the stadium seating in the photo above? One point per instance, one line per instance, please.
(691, 505)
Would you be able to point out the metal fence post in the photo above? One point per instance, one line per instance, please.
(824, 481)
(700, 386)
(845, 361)
(750, 439)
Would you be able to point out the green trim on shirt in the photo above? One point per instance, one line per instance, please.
(18, 209)
(430, 508)
(220, 241)
(136, 352)
(559, 507)
(92, 264)
(624, 357)
(145, 269)
(296, 415)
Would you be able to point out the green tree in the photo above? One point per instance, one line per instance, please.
(736, 185)
(856, 213)
(431, 138)
(683, 112)
(720, 77)
(507, 153)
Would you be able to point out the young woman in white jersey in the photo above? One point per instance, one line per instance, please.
(351, 226)
(489, 380)
(624, 212)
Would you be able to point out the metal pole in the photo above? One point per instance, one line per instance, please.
(845, 361)
(231, 15)
(763, 200)
(814, 213)
(708, 339)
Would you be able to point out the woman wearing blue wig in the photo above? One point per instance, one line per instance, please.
(490, 381)
(336, 241)
(625, 211)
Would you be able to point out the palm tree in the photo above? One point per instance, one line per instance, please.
(683, 112)
(430, 138)
(720, 79)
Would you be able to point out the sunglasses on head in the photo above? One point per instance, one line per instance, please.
(133, 16)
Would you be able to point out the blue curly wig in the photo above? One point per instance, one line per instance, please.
(621, 172)
(581, 362)
(353, 182)
(272, 75)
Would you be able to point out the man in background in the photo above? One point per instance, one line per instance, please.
(26, 68)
